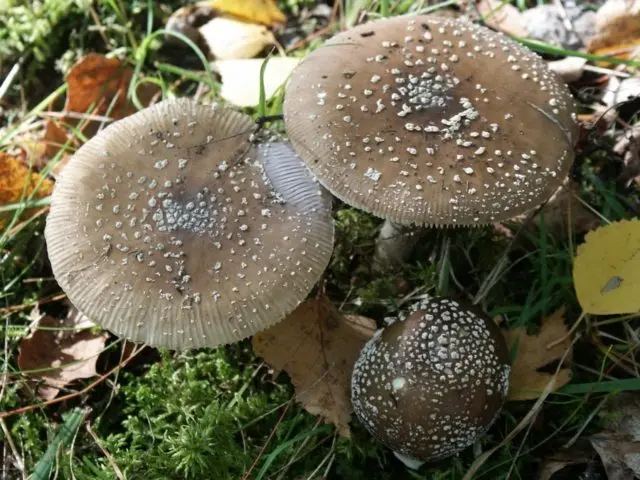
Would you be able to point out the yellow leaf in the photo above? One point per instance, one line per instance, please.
(318, 346)
(16, 182)
(526, 382)
(606, 271)
(257, 11)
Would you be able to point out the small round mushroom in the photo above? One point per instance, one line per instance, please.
(432, 382)
(431, 121)
(171, 227)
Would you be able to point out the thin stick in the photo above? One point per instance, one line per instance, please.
(14, 450)
(264, 447)
(101, 379)
(110, 458)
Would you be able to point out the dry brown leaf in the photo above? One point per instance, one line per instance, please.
(526, 382)
(618, 29)
(318, 346)
(97, 87)
(17, 182)
(59, 354)
(502, 17)
(619, 445)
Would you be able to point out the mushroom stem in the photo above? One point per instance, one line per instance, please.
(394, 245)
(410, 462)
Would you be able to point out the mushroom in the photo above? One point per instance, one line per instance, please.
(171, 227)
(431, 121)
(432, 382)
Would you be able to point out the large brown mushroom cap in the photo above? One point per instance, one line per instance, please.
(172, 228)
(431, 383)
(429, 120)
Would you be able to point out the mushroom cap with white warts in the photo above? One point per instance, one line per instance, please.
(433, 381)
(431, 121)
(171, 227)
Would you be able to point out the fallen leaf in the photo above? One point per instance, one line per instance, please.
(18, 182)
(265, 12)
(241, 78)
(502, 17)
(606, 271)
(619, 445)
(526, 381)
(318, 346)
(231, 39)
(569, 68)
(56, 352)
(617, 29)
(628, 147)
(96, 93)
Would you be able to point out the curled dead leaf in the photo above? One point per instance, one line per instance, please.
(527, 382)
(318, 346)
(56, 352)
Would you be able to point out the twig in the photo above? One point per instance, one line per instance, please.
(24, 306)
(16, 455)
(264, 447)
(110, 458)
(101, 379)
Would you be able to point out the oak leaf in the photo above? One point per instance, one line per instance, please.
(531, 354)
(318, 346)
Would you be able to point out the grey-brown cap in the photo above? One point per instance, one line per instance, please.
(430, 120)
(170, 227)
(433, 381)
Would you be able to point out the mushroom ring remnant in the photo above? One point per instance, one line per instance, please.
(431, 121)
(171, 227)
(432, 382)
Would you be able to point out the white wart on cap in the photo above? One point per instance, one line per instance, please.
(432, 382)
(171, 228)
(433, 121)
